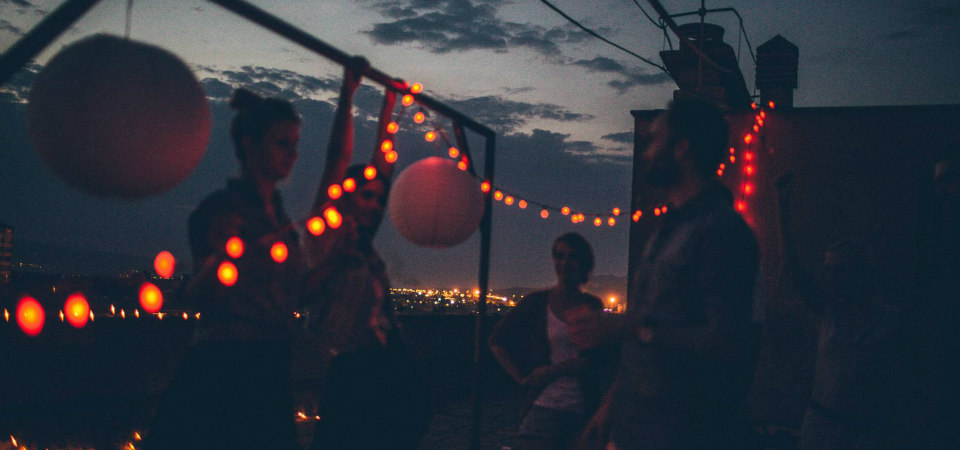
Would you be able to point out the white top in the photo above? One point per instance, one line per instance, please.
(564, 393)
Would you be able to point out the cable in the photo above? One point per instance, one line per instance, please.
(594, 34)
(654, 22)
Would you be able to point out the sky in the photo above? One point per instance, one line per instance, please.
(559, 100)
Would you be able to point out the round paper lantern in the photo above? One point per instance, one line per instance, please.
(151, 298)
(118, 118)
(77, 310)
(433, 204)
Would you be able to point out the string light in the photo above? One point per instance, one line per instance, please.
(462, 165)
(453, 152)
(616, 211)
(151, 298)
(522, 204)
(430, 136)
(485, 186)
(747, 138)
(279, 252)
(227, 273)
(406, 100)
(76, 308)
(498, 196)
(565, 211)
(390, 157)
(234, 247)
(316, 226)
(419, 117)
(544, 213)
(163, 264)
(334, 191)
(386, 145)
(416, 88)
(370, 172)
(393, 128)
(508, 200)
(30, 316)
(597, 222)
(349, 185)
(611, 221)
(334, 219)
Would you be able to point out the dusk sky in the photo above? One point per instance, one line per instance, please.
(559, 99)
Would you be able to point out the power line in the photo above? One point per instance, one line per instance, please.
(594, 34)
(659, 25)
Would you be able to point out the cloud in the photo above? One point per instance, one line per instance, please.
(926, 18)
(17, 89)
(5, 25)
(625, 137)
(19, 3)
(508, 115)
(443, 26)
(631, 77)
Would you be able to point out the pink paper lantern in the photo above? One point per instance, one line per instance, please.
(434, 204)
(118, 118)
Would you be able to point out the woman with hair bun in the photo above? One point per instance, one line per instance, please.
(232, 390)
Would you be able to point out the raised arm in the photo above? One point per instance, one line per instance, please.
(340, 148)
(378, 160)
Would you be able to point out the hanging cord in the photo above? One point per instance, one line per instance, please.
(126, 33)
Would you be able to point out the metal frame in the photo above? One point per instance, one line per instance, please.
(42, 35)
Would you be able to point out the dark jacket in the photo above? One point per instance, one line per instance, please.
(522, 333)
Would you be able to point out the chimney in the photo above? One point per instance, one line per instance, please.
(696, 79)
(777, 61)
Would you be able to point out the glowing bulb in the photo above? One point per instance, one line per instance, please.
(234, 247)
(508, 200)
(747, 188)
(485, 186)
(733, 150)
(656, 211)
(370, 172)
(753, 105)
(763, 114)
(453, 152)
(733, 159)
(756, 128)
(163, 264)
(597, 222)
(574, 218)
(636, 216)
(316, 226)
(184, 315)
(393, 128)
(741, 206)
(334, 219)
(747, 138)
(77, 309)
(723, 166)
(565, 211)
(749, 170)
(279, 252)
(151, 298)
(544, 213)
(719, 172)
(498, 196)
(390, 157)
(748, 156)
(462, 165)
(522, 204)
(227, 273)
(136, 313)
(419, 117)
(616, 211)
(334, 191)
(386, 145)
(430, 136)
(416, 88)
(611, 221)
(406, 100)
(663, 209)
(759, 121)
(349, 185)
(772, 105)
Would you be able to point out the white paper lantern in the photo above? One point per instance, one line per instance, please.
(435, 204)
(118, 118)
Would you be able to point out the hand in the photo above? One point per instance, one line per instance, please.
(596, 432)
(352, 74)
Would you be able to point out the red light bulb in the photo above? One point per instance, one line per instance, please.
(164, 263)
(30, 315)
(151, 297)
(77, 310)
(234, 247)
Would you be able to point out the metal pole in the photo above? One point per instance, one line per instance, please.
(484, 277)
(272, 23)
(41, 36)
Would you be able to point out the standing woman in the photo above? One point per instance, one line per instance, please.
(371, 396)
(232, 390)
(534, 345)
